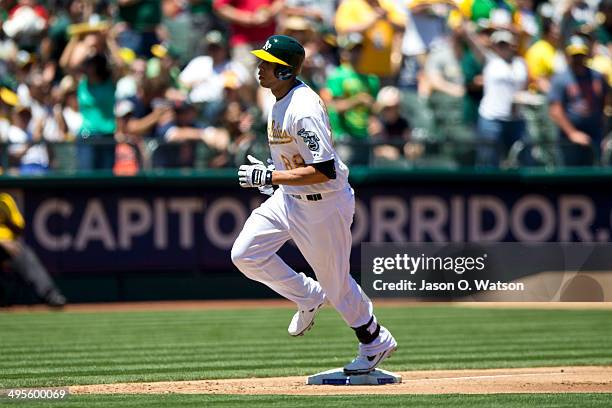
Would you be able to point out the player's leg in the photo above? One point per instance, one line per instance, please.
(254, 254)
(322, 233)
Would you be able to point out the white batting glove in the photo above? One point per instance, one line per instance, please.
(256, 175)
(267, 190)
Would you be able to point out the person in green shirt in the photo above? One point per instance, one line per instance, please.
(96, 97)
(350, 97)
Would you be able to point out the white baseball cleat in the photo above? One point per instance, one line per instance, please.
(368, 360)
(303, 320)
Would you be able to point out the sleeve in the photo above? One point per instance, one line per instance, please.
(555, 94)
(313, 137)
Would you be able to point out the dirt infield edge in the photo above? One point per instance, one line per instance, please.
(488, 381)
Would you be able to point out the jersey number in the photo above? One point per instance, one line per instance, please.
(295, 162)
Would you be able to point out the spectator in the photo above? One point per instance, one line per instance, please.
(148, 108)
(165, 63)
(66, 100)
(426, 24)
(59, 24)
(379, 22)
(84, 42)
(543, 61)
(500, 123)
(8, 99)
(350, 97)
(577, 99)
(302, 30)
(251, 23)
(205, 75)
(203, 17)
(38, 97)
(472, 67)
(25, 150)
(602, 48)
(141, 18)
(178, 30)
(127, 85)
(299, 28)
(447, 83)
(96, 98)
(526, 24)
(26, 23)
(390, 131)
(317, 12)
(578, 14)
(239, 121)
(182, 133)
(322, 59)
(443, 71)
(542, 57)
(127, 161)
(17, 257)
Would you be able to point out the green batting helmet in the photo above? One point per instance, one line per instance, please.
(285, 51)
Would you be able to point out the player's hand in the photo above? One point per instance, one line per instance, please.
(254, 175)
(267, 190)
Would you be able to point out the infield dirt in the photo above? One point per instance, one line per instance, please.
(491, 381)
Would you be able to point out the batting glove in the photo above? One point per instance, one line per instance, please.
(255, 175)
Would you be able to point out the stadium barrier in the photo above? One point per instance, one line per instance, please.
(167, 234)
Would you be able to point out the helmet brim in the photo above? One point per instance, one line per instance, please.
(266, 56)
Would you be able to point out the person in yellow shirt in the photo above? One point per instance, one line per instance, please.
(19, 258)
(380, 22)
(542, 58)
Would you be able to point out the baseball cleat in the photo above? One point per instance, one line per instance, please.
(366, 362)
(303, 320)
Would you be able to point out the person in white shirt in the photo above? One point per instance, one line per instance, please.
(500, 123)
(313, 206)
(204, 75)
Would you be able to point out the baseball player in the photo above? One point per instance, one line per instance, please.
(313, 206)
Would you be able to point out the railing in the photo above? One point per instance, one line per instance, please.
(152, 155)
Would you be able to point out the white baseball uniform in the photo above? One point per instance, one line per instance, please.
(299, 134)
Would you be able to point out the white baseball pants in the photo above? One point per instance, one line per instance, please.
(321, 231)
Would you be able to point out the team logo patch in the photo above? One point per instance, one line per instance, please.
(310, 138)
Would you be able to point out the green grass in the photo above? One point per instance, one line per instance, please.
(54, 349)
(413, 401)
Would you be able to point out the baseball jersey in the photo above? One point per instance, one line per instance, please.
(299, 134)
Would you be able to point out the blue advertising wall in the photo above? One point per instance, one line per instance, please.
(189, 222)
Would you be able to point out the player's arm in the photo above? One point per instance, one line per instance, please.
(227, 12)
(304, 176)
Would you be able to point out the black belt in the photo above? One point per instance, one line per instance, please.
(309, 197)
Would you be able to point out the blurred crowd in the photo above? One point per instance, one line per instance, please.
(132, 85)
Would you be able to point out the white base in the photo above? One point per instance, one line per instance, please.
(336, 376)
